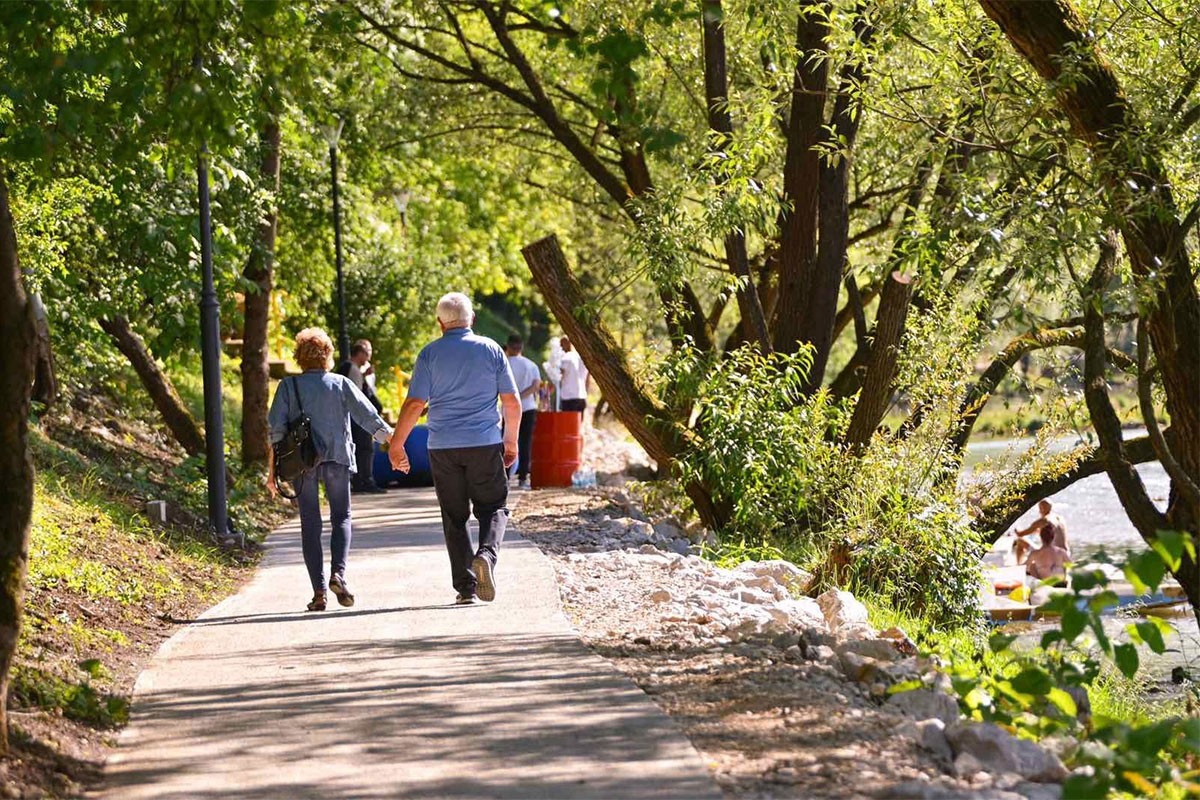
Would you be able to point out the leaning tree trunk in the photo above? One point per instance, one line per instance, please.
(646, 418)
(176, 416)
(16, 466)
(260, 273)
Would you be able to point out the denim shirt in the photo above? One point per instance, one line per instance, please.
(330, 400)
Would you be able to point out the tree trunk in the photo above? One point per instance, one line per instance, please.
(45, 377)
(177, 418)
(646, 418)
(1125, 480)
(260, 272)
(801, 170)
(1049, 34)
(16, 466)
(876, 393)
(721, 123)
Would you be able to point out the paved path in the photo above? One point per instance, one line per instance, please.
(402, 696)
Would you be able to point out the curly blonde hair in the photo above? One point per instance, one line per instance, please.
(314, 349)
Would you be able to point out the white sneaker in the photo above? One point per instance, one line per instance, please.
(523, 484)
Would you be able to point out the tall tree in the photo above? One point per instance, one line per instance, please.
(260, 275)
(16, 466)
(1057, 42)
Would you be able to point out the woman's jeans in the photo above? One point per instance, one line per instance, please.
(336, 478)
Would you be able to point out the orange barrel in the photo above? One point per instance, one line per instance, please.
(557, 448)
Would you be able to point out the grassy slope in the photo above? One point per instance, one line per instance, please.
(106, 587)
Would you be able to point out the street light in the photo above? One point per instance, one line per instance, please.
(333, 132)
(401, 197)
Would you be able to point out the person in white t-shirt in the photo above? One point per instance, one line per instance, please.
(573, 388)
(529, 381)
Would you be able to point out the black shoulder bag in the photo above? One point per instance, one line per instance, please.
(295, 453)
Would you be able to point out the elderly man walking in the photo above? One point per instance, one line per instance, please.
(460, 377)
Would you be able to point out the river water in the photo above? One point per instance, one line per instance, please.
(1096, 521)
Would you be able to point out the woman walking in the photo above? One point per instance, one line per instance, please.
(331, 401)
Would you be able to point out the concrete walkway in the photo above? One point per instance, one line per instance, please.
(402, 696)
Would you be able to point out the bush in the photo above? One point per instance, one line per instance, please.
(888, 521)
(1036, 691)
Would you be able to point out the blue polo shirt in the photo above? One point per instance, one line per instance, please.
(462, 376)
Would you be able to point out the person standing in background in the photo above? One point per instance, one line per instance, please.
(573, 388)
(529, 381)
(361, 373)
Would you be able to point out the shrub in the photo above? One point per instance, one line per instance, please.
(884, 521)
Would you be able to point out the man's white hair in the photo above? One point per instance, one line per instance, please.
(454, 309)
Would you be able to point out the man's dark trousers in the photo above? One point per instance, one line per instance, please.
(464, 477)
(525, 442)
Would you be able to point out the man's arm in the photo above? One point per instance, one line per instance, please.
(410, 412)
(1034, 528)
(532, 388)
(512, 424)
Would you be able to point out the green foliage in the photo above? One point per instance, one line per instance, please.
(879, 522)
(79, 701)
(1122, 747)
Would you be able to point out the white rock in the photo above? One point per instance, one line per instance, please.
(931, 735)
(843, 611)
(923, 704)
(999, 751)
(750, 621)
(661, 596)
(747, 594)
(784, 573)
(680, 546)
(879, 649)
(804, 612)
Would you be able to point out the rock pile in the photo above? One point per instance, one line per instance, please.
(684, 602)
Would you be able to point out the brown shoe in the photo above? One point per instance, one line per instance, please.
(317, 603)
(485, 585)
(337, 585)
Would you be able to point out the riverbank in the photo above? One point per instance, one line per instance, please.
(776, 711)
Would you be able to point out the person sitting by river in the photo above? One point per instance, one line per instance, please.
(1049, 560)
(1046, 517)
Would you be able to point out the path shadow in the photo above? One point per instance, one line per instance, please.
(433, 708)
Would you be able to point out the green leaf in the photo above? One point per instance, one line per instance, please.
(1000, 641)
(1169, 545)
(1103, 600)
(1033, 680)
(1086, 787)
(1149, 633)
(1084, 579)
(1073, 623)
(905, 686)
(1145, 571)
(1190, 728)
(1101, 637)
(92, 667)
(1064, 701)
(1150, 739)
(1126, 656)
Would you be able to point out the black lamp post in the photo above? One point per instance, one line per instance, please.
(210, 345)
(333, 132)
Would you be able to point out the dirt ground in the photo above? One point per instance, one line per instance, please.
(105, 590)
